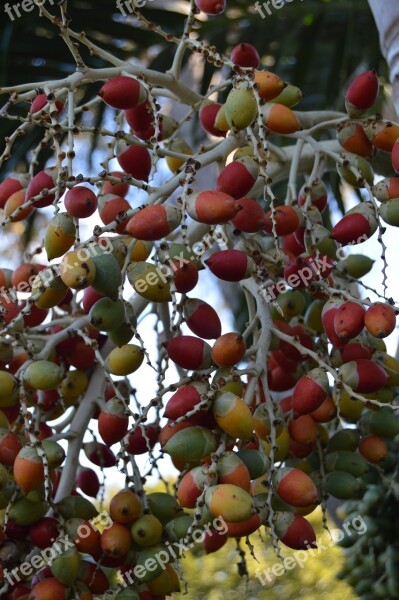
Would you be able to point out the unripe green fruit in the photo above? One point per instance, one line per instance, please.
(65, 567)
(241, 107)
(54, 452)
(342, 485)
(8, 389)
(24, 512)
(107, 314)
(164, 506)
(291, 304)
(44, 375)
(77, 506)
(126, 330)
(389, 212)
(108, 275)
(360, 164)
(176, 529)
(290, 96)
(356, 265)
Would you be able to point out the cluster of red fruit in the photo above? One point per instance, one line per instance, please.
(249, 457)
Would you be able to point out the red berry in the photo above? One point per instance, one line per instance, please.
(245, 55)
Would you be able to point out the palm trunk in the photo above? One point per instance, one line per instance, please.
(386, 15)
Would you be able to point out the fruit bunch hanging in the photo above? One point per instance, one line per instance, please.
(264, 424)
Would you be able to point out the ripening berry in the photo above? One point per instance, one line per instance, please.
(250, 218)
(116, 540)
(113, 208)
(395, 156)
(154, 222)
(309, 392)
(238, 177)
(362, 94)
(123, 92)
(355, 170)
(40, 102)
(362, 375)
(295, 487)
(285, 220)
(202, 319)
(269, 85)
(241, 107)
(245, 55)
(136, 161)
(230, 502)
(14, 205)
(80, 202)
(207, 117)
(374, 449)
(13, 183)
(211, 7)
(228, 349)
(357, 225)
(349, 320)
(212, 207)
(317, 193)
(382, 133)
(380, 320)
(231, 265)
(42, 182)
(28, 469)
(387, 189)
(280, 119)
(294, 531)
(352, 137)
(77, 270)
(189, 352)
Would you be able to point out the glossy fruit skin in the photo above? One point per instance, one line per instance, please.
(87, 481)
(136, 161)
(45, 179)
(250, 218)
(238, 177)
(207, 118)
(14, 205)
(363, 375)
(356, 226)
(229, 502)
(202, 319)
(280, 119)
(362, 93)
(147, 530)
(349, 320)
(228, 349)
(113, 422)
(373, 448)
(119, 189)
(309, 392)
(212, 207)
(113, 208)
(353, 138)
(40, 102)
(28, 469)
(154, 222)
(231, 265)
(189, 352)
(80, 202)
(380, 320)
(116, 540)
(295, 487)
(142, 439)
(10, 185)
(233, 415)
(269, 85)
(240, 107)
(245, 55)
(122, 92)
(295, 532)
(286, 220)
(77, 271)
(211, 7)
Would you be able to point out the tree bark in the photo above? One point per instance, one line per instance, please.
(386, 15)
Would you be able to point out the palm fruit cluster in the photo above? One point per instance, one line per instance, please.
(262, 425)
